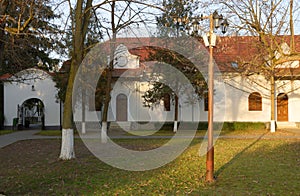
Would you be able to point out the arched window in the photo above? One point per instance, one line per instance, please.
(255, 102)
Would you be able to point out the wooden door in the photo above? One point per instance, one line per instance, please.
(121, 108)
(282, 107)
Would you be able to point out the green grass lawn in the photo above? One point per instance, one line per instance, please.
(242, 167)
(3, 132)
(49, 133)
(171, 133)
(203, 132)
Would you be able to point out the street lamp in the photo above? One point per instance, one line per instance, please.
(215, 21)
(209, 39)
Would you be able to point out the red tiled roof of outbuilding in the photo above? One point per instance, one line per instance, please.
(5, 76)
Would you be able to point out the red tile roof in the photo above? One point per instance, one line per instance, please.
(244, 48)
(228, 49)
(5, 76)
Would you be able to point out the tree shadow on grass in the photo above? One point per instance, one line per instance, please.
(265, 167)
(237, 156)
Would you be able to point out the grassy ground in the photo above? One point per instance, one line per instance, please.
(52, 133)
(3, 132)
(203, 132)
(242, 167)
(49, 133)
(162, 132)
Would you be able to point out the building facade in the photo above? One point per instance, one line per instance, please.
(30, 101)
(237, 97)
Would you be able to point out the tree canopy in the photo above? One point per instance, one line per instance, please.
(26, 35)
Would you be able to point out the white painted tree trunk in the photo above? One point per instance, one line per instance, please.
(273, 126)
(175, 128)
(67, 145)
(104, 132)
(83, 130)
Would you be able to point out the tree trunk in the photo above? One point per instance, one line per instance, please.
(106, 104)
(292, 27)
(67, 146)
(83, 103)
(80, 26)
(104, 126)
(273, 123)
(175, 128)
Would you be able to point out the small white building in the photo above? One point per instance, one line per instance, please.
(30, 100)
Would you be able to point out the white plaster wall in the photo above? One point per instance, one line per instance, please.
(294, 106)
(90, 116)
(136, 110)
(231, 104)
(17, 93)
(237, 90)
(230, 98)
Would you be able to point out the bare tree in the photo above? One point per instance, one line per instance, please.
(271, 25)
(80, 22)
(124, 15)
(81, 19)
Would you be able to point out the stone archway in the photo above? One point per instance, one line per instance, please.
(282, 107)
(31, 114)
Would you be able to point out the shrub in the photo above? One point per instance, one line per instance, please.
(226, 126)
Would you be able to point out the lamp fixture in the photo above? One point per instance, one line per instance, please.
(224, 26)
(217, 18)
(193, 23)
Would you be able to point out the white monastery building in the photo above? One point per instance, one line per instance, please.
(238, 97)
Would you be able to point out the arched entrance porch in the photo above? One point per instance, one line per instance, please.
(31, 114)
